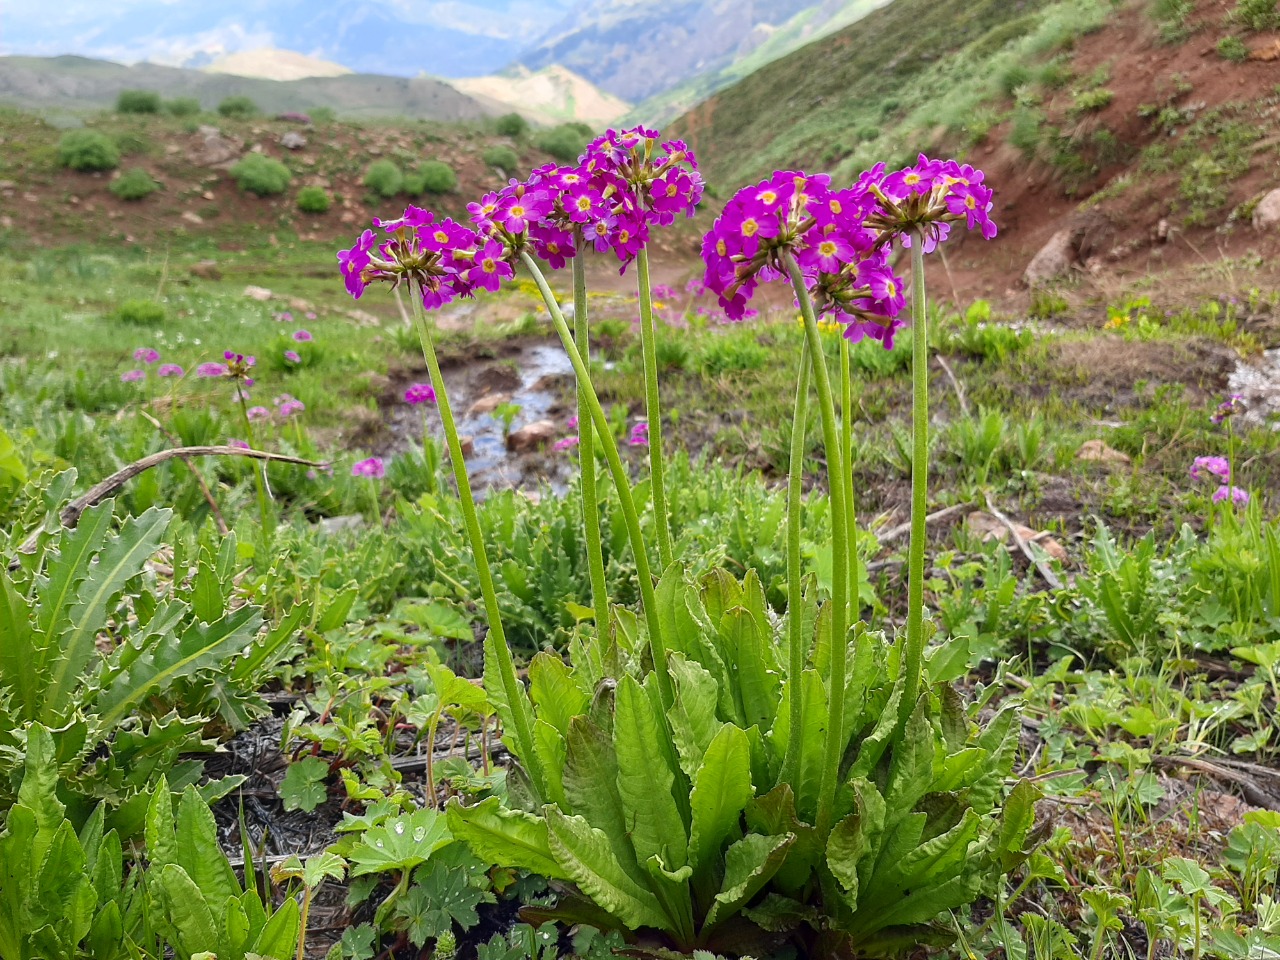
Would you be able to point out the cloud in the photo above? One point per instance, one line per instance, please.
(174, 51)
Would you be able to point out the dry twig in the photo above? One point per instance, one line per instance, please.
(1050, 577)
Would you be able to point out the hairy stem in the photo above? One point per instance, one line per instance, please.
(834, 747)
(259, 474)
(587, 454)
(795, 588)
(511, 687)
(653, 410)
(846, 454)
(919, 477)
(620, 480)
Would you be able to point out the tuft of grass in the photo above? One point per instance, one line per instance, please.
(88, 150)
(134, 184)
(261, 175)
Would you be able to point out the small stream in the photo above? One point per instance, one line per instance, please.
(537, 378)
(1258, 382)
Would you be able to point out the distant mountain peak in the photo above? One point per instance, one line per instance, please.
(269, 63)
(554, 94)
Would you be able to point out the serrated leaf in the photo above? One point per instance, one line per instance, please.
(120, 560)
(20, 656)
(645, 780)
(748, 865)
(186, 912)
(400, 843)
(585, 856)
(279, 936)
(692, 715)
(591, 787)
(303, 787)
(556, 698)
(200, 646)
(198, 852)
(503, 837)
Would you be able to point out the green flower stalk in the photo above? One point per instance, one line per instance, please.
(839, 553)
(621, 482)
(796, 647)
(587, 457)
(914, 657)
(510, 683)
(653, 410)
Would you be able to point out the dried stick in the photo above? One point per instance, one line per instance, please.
(893, 533)
(204, 487)
(71, 512)
(946, 368)
(1050, 577)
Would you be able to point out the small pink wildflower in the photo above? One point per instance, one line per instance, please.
(1237, 495)
(420, 393)
(302, 336)
(211, 370)
(292, 356)
(169, 370)
(372, 467)
(639, 435)
(133, 376)
(258, 413)
(566, 443)
(146, 355)
(239, 444)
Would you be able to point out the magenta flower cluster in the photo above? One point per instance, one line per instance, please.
(287, 406)
(1237, 495)
(419, 393)
(1205, 467)
(639, 435)
(841, 239)
(1228, 408)
(625, 183)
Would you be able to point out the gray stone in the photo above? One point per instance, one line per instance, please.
(532, 436)
(293, 140)
(1267, 212)
(1055, 259)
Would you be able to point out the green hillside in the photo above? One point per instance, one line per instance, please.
(913, 74)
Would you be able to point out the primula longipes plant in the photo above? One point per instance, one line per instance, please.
(705, 775)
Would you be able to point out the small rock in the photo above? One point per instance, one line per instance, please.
(1267, 212)
(293, 141)
(364, 318)
(488, 403)
(1162, 230)
(256, 148)
(6, 222)
(171, 148)
(347, 217)
(332, 525)
(257, 293)
(297, 303)
(988, 527)
(531, 436)
(207, 195)
(192, 217)
(1054, 260)
(215, 150)
(468, 445)
(74, 201)
(30, 198)
(206, 270)
(1098, 452)
(7, 184)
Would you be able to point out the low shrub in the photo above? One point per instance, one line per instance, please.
(384, 178)
(564, 142)
(182, 107)
(238, 107)
(313, 200)
(87, 150)
(511, 125)
(502, 158)
(134, 184)
(138, 101)
(140, 313)
(261, 175)
(437, 177)
(1090, 101)
(1233, 49)
(1257, 14)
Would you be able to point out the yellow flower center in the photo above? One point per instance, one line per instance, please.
(835, 206)
(489, 265)
(517, 211)
(971, 203)
(827, 248)
(721, 248)
(768, 196)
(584, 204)
(892, 288)
(911, 178)
(750, 227)
(441, 237)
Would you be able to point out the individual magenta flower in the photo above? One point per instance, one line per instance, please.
(284, 317)
(133, 376)
(302, 336)
(1228, 408)
(1217, 467)
(566, 443)
(639, 435)
(258, 413)
(169, 370)
(238, 444)
(372, 467)
(572, 422)
(490, 267)
(146, 355)
(212, 370)
(926, 198)
(1237, 495)
(239, 365)
(419, 393)
(292, 356)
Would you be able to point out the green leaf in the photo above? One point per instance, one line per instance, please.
(645, 780)
(206, 592)
(279, 937)
(693, 713)
(198, 852)
(591, 787)
(755, 668)
(303, 787)
(721, 788)
(503, 837)
(199, 647)
(67, 568)
(585, 855)
(162, 848)
(11, 464)
(556, 698)
(186, 912)
(400, 843)
(335, 614)
(911, 766)
(748, 865)
(120, 560)
(39, 789)
(20, 653)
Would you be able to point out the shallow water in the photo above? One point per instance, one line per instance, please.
(1257, 380)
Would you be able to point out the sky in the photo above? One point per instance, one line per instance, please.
(401, 37)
